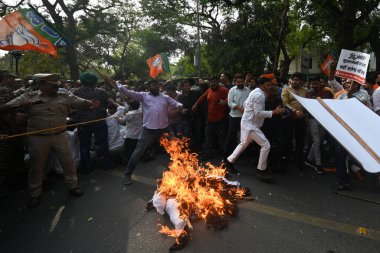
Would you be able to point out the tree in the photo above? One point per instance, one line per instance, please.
(4, 8)
(99, 23)
(349, 23)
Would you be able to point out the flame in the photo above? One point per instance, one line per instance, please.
(171, 232)
(199, 190)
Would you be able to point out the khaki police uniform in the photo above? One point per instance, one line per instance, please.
(48, 112)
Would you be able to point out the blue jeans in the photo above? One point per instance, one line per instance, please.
(147, 137)
(100, 131)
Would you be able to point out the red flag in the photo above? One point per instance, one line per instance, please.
(326, 64)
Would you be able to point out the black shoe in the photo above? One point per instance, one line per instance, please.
(149, 206)
(264, 176)
(127, 179)
(76, 192)
(230, 167)
(182, 240)
(34, 202)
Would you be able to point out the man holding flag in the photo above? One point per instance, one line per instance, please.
(155, 120)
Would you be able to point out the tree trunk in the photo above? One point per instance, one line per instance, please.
(72, 61)
(281, 37)
(375, 44)
(287, 60)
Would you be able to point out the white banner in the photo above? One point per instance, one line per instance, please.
(352, 65)
(359, 118)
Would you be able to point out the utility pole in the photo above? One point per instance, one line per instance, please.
(17, 55)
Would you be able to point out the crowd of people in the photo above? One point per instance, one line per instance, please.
(74, 126)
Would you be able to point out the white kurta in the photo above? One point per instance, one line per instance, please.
(253, 118)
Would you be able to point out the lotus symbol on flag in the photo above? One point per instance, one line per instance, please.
(20, 36)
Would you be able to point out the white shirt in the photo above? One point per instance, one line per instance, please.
(115, 139)
(74, 145)
(254, 110)
(237, 96)
(133, 124)
(376, 100)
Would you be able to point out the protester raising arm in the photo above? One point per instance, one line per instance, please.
(129, 93)
(332, 82)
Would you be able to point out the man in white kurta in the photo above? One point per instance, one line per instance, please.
(252, 120)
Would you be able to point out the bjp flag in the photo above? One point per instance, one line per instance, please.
(25, 29)
(325, 67)
(158, 64)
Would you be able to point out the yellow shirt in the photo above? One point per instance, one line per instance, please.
(288, 98)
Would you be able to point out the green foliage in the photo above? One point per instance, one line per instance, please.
(34, 62)
(348, 22)
(117, 38)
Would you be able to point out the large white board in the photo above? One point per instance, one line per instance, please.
(359, 117)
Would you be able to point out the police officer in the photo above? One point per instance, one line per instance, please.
(7, 80)
(48, 109)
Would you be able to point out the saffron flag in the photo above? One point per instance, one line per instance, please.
(326, 64)
(25, 29)
(158, 64)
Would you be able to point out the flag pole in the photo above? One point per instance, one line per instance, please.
(106, 78)
(350, 130)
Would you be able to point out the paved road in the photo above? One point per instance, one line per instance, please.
(299, 213)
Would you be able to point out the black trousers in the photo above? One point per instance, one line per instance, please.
(129, 147)
(294, 128)
(232, 135)
(214, 133)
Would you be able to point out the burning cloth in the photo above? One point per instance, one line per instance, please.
(189, 191)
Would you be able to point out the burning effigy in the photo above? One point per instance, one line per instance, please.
(189, 191)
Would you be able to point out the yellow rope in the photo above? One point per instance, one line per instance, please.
(6, 137)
